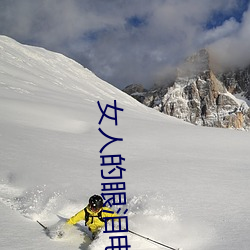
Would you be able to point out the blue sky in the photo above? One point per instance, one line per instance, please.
(218, 17)
(131, 41)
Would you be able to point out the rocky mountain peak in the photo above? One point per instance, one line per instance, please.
(197, 64)
(200, 96)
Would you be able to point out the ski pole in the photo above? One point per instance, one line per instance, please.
(45, 228)
(153, 241)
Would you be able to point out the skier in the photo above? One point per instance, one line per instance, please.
(93, 215)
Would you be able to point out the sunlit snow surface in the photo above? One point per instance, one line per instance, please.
(186, 186)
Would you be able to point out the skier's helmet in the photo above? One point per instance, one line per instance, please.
(95, 202)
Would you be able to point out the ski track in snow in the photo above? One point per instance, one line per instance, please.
(32, 204)
(147, 216)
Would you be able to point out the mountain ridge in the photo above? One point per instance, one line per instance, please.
(201, 95)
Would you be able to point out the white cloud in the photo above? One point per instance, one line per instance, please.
(228, 28)
(97, 32)
(233, 50)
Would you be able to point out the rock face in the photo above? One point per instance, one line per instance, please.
(201, 97)
(237, 81)
(137, 91)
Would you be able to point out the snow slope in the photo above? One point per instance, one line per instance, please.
(187, 186)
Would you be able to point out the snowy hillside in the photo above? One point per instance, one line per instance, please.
(187, 186)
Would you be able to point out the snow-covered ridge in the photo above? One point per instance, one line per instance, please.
(33, 74)
(33, 68)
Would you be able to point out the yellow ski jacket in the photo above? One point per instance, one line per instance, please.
(94, 223)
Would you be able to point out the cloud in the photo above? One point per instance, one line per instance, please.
(232, 50)
(121, 41)
(228, 28)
